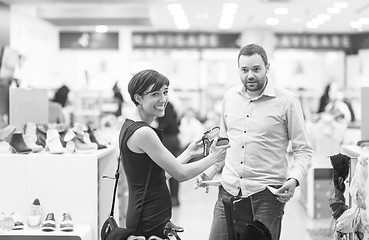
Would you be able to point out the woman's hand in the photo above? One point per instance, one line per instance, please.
(218, 152)
(195, 148)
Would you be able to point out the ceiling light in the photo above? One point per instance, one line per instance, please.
(101, 29)
(333, 10)
(272, 21)
(312, 24)
(281, 11)
(341, 5)
(230, 6)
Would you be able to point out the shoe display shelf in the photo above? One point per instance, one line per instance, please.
(66, 182)
(80, 232)
(318, 187)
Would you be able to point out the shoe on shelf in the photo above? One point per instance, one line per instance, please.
(67, 223)
(35, 214)
(5, 147)
(7, 132)
(94, 140)
(49, 223)
(82, 147)
(53, 144)
(18, 145)
(69, 136)
(30, 137)
(18, 221)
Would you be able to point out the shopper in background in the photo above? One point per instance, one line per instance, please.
(142, 149)
(169, 123)
(190, 128)
(333, 101)
(118, 99)
(260, 119)
(57, 104)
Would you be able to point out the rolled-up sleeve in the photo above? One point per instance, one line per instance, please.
(301, 147)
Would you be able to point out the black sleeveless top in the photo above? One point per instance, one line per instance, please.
(157, 204)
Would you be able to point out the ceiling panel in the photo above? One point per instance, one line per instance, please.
(203, 15)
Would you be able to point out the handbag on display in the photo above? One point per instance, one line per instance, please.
(241, 224)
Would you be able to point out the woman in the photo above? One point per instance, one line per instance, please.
(141, 146)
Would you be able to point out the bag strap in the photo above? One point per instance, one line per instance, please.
(116, 177)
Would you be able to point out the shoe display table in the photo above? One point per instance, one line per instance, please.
(64, 183)
(80, 232)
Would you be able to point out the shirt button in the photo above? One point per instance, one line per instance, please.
(241, 162)
(244, 131)
(247, 115)
(243, 146)
(241, 177)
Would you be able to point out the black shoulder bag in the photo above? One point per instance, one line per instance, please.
(110, 229)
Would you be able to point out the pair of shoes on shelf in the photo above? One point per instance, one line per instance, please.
(78, 141)
(50, 224)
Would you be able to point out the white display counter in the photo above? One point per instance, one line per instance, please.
(80, 232)
(70, 183)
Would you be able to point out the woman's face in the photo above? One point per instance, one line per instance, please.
(154, 102)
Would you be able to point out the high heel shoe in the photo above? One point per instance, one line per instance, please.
(18, 145)
(53, 144)
(93, 139)
(30, 137)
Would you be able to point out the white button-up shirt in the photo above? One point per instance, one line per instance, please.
(260, 131)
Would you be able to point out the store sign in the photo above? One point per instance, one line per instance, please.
(184, 40)
(313, 41)
(88, 40)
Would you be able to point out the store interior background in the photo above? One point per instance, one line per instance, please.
(199, 76)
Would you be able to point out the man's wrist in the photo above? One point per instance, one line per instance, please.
(296, 181)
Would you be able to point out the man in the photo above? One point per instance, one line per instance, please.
(260, 120)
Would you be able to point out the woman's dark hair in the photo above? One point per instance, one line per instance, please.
(252, 49)
(61, 95)
(142, 80)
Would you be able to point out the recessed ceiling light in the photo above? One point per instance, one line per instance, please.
(341, 5)
(312, 25)
(272, 21)
(281, 11)
(101, 29)
(333, 10)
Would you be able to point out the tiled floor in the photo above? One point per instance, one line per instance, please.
(196, 211)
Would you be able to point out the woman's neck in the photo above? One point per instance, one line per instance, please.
(138, 115)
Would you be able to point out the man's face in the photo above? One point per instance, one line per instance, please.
(252, 72)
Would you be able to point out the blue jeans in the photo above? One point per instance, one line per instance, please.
(267, 209)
